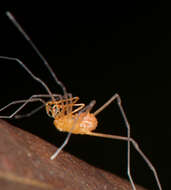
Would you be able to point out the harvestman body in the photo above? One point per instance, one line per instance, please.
(70, 116)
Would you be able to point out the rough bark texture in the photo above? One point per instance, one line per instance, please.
(25, 164)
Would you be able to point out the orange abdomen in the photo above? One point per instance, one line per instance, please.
(77, 123)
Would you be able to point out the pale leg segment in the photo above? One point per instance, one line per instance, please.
(128, 139)
(33, 98)
(61, 147)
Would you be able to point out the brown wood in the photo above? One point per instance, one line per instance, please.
(25, 164)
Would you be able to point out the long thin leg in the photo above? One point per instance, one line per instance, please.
(117, 97)
(61, 147)
(36, 109)
(15, 102)
(18, 26)
(31, 99)
(29, 113)
(30, 73)
(128, 139)
(128, 135)
(89, 107)
(136, 146)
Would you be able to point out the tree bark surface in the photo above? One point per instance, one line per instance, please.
(25, 164)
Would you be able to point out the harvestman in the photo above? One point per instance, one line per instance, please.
(70, 116)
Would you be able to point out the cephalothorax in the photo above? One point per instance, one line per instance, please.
(68, 118)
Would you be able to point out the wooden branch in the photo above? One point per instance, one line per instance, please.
(25, 164)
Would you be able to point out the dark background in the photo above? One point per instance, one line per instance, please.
(96, 51)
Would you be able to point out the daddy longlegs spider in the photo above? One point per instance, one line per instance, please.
(70, 116)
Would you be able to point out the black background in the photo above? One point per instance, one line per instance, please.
(97, 50)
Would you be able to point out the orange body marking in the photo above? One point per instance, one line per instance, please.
(77, 124)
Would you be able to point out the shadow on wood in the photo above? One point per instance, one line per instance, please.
(25, 164)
